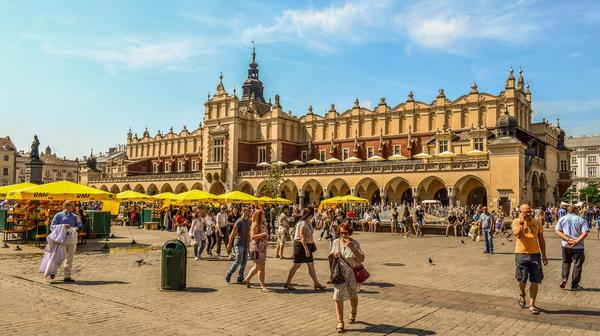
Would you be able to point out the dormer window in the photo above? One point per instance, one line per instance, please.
(442, 146)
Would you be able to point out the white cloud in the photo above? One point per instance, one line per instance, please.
(452, 26)
(323, 29)
(443, 25)
(125, 53)
(573, 55)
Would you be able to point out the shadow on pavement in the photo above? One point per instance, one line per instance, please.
(570, 312)
(199, 290)
(379, 284)
(390, 329)
(96, 282)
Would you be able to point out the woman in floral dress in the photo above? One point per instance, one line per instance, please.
(350, 254)
(259, 239)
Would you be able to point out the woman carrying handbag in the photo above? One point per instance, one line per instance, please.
(350, 258)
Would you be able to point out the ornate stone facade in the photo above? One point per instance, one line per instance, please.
(494, 153)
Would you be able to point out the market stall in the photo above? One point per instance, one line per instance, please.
(35, 207)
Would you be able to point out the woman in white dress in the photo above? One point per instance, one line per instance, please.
(210, 222)
(350, 254)
(197, 234)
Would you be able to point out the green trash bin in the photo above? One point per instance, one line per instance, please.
(146, 215)
(173, 265)
(99, 222)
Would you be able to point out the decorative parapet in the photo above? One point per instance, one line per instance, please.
(377, 168)
(148, 177)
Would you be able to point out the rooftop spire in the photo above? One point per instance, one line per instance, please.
(253, 85)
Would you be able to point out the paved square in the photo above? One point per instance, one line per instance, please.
(466, 292)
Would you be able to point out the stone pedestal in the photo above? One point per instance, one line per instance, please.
(33, 171)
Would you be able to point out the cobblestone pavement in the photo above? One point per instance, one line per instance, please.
(465, 292)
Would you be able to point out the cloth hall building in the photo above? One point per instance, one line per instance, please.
(479, 148)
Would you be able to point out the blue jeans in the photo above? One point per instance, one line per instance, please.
(201, 245)
(489, 243)
(241, 258)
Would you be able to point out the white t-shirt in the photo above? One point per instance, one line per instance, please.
(308, 233)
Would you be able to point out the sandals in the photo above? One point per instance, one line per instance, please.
(264, 289)
(289, 287)
(340, 328)
(522, 301)
(319, 286)
(533, 310)
(247, 283)
(352, 318)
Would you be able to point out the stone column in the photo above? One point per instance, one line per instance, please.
(301, 198)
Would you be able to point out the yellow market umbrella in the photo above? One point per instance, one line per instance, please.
(263, 165)
(354, 199)
(396, 157)
(130, 195)
(446, 154)
(333, 200)
(278, 200)
(422, 156)
(333, 160)
(375, 158)
(315, 162)
(13, 187)
(352, 159)
(279, 163)
(195, 196)
(476, 152)
(297, 163)
(266, 200)
(165, 196)
(61, 191)
(237, 197)
(281, 200)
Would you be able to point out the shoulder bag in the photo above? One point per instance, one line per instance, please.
(360, 272)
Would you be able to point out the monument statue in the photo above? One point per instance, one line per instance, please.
(34, 155)
(33, 166)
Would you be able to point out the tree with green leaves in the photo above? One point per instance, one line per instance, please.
(571, 195)
(590, 194)
(274, 180)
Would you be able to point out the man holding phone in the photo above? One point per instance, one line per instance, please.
(530, 253)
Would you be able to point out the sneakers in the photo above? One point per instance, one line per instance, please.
(563, 283)
(69, 280)
(576, 288)
(197, 258)
(227, 277)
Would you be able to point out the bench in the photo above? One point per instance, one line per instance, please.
(151, 225)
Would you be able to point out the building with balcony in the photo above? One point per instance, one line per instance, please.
(482, 148)
(584, 159)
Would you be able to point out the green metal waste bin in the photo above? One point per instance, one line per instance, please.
(99, 223)
(173, 265)
(147, 215)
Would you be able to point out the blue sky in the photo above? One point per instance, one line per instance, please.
(80, 73)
